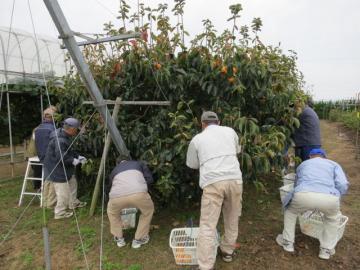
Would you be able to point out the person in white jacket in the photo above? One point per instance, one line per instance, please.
(214, 152)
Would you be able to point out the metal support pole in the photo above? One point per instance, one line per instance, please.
(47, 253)
(10, 133)
(358, 125)
(102, 162)
(41, 106)
(8, 105)
(144, 103)
(83, 69)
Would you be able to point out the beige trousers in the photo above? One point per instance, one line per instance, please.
(66, 195)
(142, 201)
(225, 196)
(49, 195)
(326, 203)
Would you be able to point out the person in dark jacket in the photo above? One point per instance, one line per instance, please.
(129, 182)
(307, 136)
(42, 133)
(33, 150)
(59, 165)
(42, 137)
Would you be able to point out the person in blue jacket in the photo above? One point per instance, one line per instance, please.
(43, 131)
(42, 138)
(320, 183)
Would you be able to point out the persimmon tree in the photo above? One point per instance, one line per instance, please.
(249, 84)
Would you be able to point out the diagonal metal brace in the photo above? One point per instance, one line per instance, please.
(90, 40)
(64, 30)
(108, 39)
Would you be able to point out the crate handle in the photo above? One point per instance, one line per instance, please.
(190, 224)
(316, 211)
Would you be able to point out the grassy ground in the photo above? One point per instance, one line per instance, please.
(24, 249)
(5, 168)
(258, 227)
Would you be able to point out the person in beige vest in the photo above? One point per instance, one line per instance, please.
(214, 152)
(129, 182)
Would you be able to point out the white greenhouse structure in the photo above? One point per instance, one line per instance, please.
(26, 60)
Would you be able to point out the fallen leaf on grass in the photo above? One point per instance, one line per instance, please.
(176, 223)
(301, 244)
(154, 227)
(284, 257)
(237, 246)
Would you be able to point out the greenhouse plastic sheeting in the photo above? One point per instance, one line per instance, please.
(25, 59)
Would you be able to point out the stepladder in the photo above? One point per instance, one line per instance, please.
(32, 162)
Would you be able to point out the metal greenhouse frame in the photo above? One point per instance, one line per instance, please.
(23, 58)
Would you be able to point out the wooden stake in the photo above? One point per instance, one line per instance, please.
(102, 162)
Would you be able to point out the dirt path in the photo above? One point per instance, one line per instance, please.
(340, 147)
(257, 232)
(261, 221)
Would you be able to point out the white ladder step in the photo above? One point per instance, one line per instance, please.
(33, 178)
(32, 193)
(32, 161)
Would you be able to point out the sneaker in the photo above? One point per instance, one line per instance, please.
(139, 243)
(120, 242)
(64, 215)
(80, 205)
(226, 257)
(287, 245)
(326, 253)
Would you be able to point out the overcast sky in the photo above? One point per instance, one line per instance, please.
(324, 33)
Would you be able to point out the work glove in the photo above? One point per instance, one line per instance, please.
(82, 159)
(75, 161)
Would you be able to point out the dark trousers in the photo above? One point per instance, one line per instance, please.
(304, 151)
(37, 172)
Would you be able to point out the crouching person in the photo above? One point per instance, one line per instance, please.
(129, 182)
(59, 164)
(319, 185)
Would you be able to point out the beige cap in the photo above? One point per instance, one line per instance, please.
(48, 112)
(209, 116)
